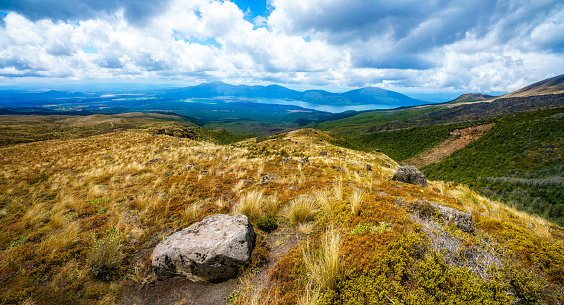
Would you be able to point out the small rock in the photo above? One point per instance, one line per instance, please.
(368, 167)
(339, 151)
(266, 179)
(211, 250)
(189, 166)
(376, 150)
(286, 160)
(323, 153)
(355, 163)
(304, 160)
(154, 160)
(410, 174)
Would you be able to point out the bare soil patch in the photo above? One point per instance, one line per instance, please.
(458, 139)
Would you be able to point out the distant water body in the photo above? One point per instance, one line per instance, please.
(327, 108)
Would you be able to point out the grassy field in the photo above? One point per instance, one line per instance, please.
(80, 218)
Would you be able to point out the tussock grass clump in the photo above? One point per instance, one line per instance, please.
(192, 211)
(338, 190)
(356, 200)
(301, 209)
(249, 204)
(105, 257)
(324, 265)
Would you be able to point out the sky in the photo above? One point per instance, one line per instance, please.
(406, 45)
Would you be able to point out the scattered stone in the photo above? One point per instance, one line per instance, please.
(189, 166)
(154, 160)
(286, 160)
(368, 167)
(323, 153)
(355, 163)
(203, 154)
(410, 174)
(376, 150)
(304, 160)
(267, 179)
(292, 188)
(339, 151)
(214, 249)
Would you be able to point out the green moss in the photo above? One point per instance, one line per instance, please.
(267, 223)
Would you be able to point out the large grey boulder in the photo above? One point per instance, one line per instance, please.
(410, 174)
(211, 250)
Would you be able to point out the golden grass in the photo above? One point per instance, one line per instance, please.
(324, 265)
(338, 190)
(301, 209)
(356, 201)
(250, 204)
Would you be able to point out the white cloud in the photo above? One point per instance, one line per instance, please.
(474, 45)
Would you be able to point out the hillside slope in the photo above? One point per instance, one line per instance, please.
(80, 218)
(520, 160)
(553, 85)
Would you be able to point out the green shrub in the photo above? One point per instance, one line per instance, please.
(104, 259)
(267, 223)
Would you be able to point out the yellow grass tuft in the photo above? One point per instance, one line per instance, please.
(301, 209)
(356, 200)
(324, 266)
(249, 204)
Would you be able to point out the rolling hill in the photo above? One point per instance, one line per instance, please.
(81, 217)
(471, 97)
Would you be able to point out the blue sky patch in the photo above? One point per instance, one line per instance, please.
(90, 50)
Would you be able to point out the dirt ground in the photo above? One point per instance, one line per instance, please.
(458, 139)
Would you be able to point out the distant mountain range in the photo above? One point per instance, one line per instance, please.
(363, 96)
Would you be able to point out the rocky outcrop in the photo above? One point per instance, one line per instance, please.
(214, 249)
(451, 216)
(445, 214)
(410, 174)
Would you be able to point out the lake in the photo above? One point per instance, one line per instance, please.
(326, 108)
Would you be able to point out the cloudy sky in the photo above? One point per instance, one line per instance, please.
(469, 45)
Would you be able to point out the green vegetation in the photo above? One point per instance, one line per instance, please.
(404, 144)
(360, 123)
(520, 161)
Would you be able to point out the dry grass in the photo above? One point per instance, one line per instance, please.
(338, 190)
(356, 201)
(301, 209)
(250, 204)
(324, 265)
